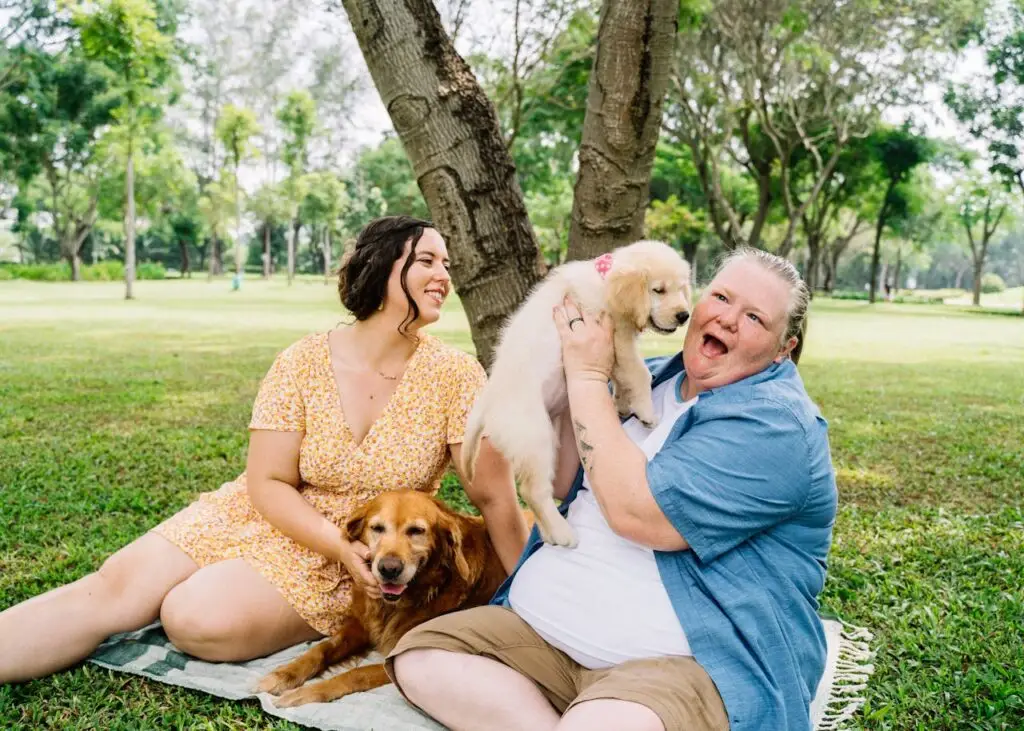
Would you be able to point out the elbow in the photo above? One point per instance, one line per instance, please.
(654, 532)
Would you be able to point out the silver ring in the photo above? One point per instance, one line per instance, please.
(574, 320)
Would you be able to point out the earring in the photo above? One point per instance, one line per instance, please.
(380, 307)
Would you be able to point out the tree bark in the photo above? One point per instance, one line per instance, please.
(450, 133)
(635, 42)
(129, 224)
(76, 267)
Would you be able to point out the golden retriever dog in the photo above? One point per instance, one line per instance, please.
(640, 286)
(428, 560)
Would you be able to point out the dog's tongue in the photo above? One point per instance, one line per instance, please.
(712, 347)
(392, 589)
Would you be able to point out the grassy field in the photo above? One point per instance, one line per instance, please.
(114, 414)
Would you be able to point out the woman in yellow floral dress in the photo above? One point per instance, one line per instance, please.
(261, 563)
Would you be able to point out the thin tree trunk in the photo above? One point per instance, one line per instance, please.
(185, 263)
(979, 265)
(239, 264)
(293, 243)
(813, 262)
(214, 245)
(896, 274)
(266, 250)
(450, 132)
(76, 267)
(635, 41)
(129, 224)
(876, 253)
(327, 254)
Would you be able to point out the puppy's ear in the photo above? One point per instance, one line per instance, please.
(452, 536)
(628, 297)
(356, 523)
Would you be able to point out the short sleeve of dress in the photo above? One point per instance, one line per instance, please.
(279, 405)
(466, 382)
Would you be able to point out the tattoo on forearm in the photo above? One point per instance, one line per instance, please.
(585, 448)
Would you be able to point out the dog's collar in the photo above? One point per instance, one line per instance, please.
(603, 264)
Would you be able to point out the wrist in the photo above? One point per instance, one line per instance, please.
(337, 545)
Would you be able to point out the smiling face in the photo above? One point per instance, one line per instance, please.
(403, 530)
(427, 281)
(737, 326)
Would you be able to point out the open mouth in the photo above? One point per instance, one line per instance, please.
(659, 328)
(437, 297)
(392, 592)
(712, 347)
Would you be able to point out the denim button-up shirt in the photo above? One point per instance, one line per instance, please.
(746, 478)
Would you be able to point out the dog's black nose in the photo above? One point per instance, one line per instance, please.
(682, 317)
(390, 568)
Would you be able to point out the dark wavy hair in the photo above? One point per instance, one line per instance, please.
(365, 269)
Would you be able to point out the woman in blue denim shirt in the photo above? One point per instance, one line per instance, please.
(691, 599)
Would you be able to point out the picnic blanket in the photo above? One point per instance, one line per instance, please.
(149, 653)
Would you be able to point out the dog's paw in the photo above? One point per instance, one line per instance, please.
(299, 697)
(278, 682)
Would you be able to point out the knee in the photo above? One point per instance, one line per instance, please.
(202, 631)
(111, 583)
(419, 672)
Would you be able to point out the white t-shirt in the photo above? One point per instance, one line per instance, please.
(603, 602)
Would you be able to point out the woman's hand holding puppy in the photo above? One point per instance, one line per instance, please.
(588, 352)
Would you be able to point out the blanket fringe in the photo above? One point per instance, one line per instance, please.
(853, 669)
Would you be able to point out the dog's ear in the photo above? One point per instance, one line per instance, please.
(356, 523)
(452, 536)
(627, 294)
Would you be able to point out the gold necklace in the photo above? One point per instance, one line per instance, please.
(386, 377)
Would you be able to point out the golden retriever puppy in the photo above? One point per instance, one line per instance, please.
(643, 285)
(428, 560)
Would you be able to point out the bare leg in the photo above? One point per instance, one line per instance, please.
(57, 629)
(227, 612)
(609, 714)
(473, 692)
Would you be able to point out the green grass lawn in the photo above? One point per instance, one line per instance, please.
(114, 414)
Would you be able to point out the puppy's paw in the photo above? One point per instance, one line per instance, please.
(559, 533)
(644, 409)
(622, 404)
(278, 682)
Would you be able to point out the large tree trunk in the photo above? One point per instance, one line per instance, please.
(624, 104)
(129, 224)
(450, 132)
(76, 266)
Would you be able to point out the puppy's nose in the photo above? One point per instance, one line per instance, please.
(390, 568)
(682, 317)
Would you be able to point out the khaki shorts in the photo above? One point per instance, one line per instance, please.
(675, 688)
